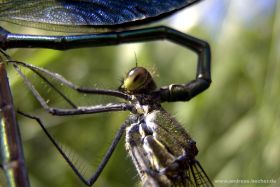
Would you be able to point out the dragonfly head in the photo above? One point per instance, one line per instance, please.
(138, 80)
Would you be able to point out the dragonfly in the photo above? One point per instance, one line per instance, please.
(106, 27)
(161, 149)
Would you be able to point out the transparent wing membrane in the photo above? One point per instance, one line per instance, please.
(198, 176)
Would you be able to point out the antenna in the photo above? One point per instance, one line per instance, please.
(135, 56)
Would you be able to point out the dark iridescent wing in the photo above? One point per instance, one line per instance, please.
(197, 176)
(55, 14)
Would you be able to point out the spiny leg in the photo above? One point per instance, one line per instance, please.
(9, 60)
(71, 103)
(61, 79)
(68, 83)
(102, 164)
(75, 111)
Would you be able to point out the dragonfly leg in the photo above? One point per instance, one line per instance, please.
(184, 92)
(41, 72)
(104, 161)
(74, 111)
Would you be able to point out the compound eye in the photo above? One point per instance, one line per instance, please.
(136, 79)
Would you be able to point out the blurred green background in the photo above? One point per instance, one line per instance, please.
(236, 122)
